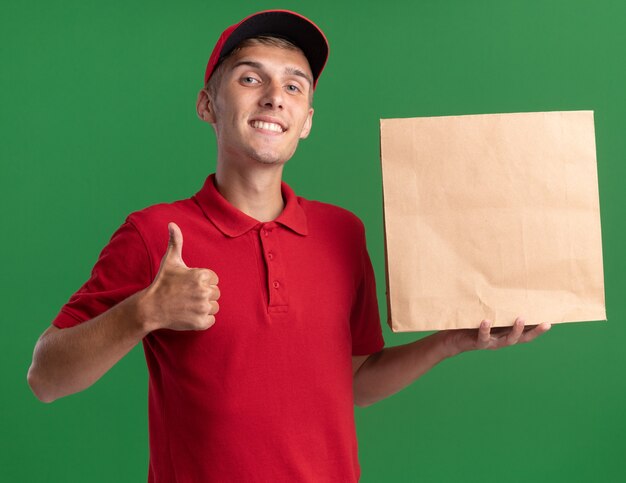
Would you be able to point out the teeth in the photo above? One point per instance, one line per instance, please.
(270, 126)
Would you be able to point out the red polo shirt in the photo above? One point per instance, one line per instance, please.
(266, 393)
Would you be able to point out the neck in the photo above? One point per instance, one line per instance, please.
(254, 191)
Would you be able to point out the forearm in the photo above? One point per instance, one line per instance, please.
(392, 369)
(66, 361)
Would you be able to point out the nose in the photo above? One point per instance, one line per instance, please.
(272, 97)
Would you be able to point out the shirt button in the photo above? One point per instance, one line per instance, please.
(275, 284)
(270, 255)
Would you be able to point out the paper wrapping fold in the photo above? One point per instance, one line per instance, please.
(491, 217)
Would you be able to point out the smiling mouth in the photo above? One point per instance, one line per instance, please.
(269, 126)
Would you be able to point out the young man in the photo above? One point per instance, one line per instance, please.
(264, 389)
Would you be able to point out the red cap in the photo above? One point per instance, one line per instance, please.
(278, 23)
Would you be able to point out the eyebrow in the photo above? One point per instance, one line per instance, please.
(299, 73)
(289, 70)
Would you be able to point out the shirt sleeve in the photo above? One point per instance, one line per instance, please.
(367, 336)
(123, 268)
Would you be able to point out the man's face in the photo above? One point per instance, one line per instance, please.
(261, 109)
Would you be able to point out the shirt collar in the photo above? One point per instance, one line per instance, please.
(233, 222)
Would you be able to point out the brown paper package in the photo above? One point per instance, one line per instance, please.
(491, 217)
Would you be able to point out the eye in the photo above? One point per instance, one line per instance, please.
(249, 80)
(293, 88)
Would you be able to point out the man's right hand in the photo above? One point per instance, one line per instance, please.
(180, 298)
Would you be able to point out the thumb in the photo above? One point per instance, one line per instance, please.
(174, 253)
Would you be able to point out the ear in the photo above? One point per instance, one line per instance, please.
(204, 107)
(308, 124)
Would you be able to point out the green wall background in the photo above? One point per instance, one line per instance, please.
(98, 119)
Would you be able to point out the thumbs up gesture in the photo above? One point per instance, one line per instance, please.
(180, 298)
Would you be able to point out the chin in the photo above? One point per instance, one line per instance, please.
(269, 158)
